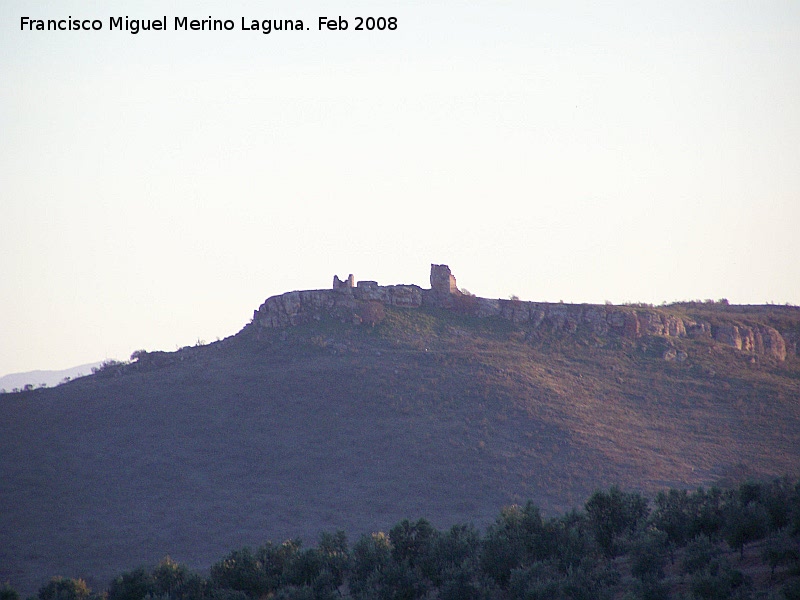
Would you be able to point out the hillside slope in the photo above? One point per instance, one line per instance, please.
(286, 431)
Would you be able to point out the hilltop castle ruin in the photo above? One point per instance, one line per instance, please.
(349, 301)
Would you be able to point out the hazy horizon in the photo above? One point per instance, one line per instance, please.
(158, 187)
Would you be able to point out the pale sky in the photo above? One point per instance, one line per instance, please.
(156, 188)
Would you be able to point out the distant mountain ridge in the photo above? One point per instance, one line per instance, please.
(354, 407)
(48, 378)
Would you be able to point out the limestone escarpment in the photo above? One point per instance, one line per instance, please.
(345, 303)
(757, 340)
(349, 302)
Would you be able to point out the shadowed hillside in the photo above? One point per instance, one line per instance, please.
(431, 412)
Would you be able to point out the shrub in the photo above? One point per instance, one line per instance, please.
(777, 499)
(781, 550)
(242, 571)
(707, 513)
(745, 523)
(672, 515)
(335, 555)
(133, 585)
(613, 515)
(371, 557)
(699, 553)
(652, 589)
(60, 588)
(718, 581)
(411, 542)
(8, 593)
(452, 555)
(649, 556)
(518, 537)
(791, 591)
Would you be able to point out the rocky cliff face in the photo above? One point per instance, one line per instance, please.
(350, 303)
(344, 303)
(758, 340)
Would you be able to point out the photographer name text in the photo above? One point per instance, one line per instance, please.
(265, 26)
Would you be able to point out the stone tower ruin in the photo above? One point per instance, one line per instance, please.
(442, 280)
(350, 282)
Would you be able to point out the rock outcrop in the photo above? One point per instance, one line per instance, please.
(756, 339)
(347, 302)
(344, 303)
